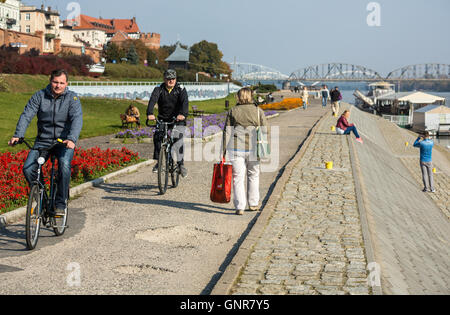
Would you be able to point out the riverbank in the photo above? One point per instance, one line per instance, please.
(364, 227)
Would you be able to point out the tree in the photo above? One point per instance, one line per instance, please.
(114, 52)
(151, 58)
(207, 57)
(132, 55)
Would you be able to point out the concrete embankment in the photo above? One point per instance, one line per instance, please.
(340, 231)
(410, 229)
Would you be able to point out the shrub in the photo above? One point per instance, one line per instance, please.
(264, 88)
(13, 63)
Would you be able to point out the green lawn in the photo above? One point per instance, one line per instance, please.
(101, 116)
(215, 106)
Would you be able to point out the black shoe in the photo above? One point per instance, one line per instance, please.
(155, 168)
(183, 171)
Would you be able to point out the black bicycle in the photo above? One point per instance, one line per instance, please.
(41, 202)
(166, 163)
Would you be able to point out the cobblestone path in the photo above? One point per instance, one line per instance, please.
(313, 242)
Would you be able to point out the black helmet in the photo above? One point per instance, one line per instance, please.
(170, 74)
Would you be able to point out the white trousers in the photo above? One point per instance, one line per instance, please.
(245, 168)
(335, 107)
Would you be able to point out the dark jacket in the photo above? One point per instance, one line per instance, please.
(60, 118)
(335, 95)
(169, 104)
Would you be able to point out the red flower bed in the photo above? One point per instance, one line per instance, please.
(86, 165)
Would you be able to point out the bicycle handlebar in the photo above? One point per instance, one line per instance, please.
(159, 122)
(58, 142)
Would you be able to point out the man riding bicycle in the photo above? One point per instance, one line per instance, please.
(59, 117)
(172, 100)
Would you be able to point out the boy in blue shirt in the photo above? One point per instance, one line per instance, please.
(425, 143)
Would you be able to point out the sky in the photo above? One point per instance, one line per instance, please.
(288, 35)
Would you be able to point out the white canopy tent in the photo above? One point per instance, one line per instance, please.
(410, 101)
(413, 98)
(421, 98)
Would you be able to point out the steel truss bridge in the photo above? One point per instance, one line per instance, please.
(341, 72)
(252, 72)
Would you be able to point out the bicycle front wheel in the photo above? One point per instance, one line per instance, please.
(33, 218)
(163, 170)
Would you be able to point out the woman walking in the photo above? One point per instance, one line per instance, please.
(305, 96)
(240, 127)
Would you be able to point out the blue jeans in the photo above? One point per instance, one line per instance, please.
(324, 102)
(64, 156)
(350, 129)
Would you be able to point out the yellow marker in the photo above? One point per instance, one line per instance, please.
(333, 128)
(434, 170)
(59, 140)
(329, 165)
(406, 144)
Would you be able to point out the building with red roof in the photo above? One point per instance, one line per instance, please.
(110, 26)
(117, 31)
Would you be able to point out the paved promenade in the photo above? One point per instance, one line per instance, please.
(318, 233)
(339, 231)
(313, 242)
(127, 239)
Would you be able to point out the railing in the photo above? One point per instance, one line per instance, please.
(135, 83)
(197, 91)
(399, 120)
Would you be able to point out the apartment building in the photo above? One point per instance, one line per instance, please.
(42, 19)
(10, 15)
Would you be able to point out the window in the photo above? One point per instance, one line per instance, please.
(27, 17)
(28, 29)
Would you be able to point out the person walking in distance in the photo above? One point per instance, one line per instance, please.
(305, 96)
(240, 126)
(59, 116)
(325, 93)
(336, 97)
(425, 143)
(173, 101)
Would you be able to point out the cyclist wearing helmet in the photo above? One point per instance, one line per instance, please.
(172, 100)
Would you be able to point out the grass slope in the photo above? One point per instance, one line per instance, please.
(101, 116)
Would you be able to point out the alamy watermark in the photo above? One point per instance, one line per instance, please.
(374, 17)
(374, 279)
(73, 18)
(74, 277)
(193, 148)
